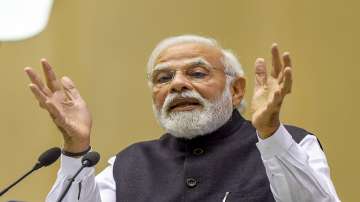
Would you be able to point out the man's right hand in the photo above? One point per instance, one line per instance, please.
(65, 105)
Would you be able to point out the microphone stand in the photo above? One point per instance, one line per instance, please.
(71, 180)
(36, 166)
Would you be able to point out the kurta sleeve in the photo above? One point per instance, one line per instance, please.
(297, 172)
(86, 187)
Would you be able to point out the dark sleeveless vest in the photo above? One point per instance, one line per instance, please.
(202, 169)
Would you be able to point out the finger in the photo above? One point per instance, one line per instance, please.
(276, 62)
(35, 79)
(280, 78)
(260, 72)
(39, 95)
(287, 63)
(70, 88)
(287, 60)
(50, 76)
(276, 101)
(287, 85)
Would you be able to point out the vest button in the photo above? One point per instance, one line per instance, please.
(198, 151)
(191, 182)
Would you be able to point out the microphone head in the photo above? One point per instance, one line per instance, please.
(49, 156)
(90, 159)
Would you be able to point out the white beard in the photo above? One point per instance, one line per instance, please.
(189, 124)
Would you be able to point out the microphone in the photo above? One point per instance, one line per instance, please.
(45, 159)
(90, 159)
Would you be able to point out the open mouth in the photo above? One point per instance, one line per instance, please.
(184, 104)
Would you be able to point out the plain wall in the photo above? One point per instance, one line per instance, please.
(103, 46)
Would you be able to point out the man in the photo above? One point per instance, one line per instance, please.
(209, 152)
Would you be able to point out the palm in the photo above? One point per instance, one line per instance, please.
(65, 105)
(270, 91)
(76, 121)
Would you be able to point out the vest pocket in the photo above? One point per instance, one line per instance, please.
(234, 197)
(255, 196)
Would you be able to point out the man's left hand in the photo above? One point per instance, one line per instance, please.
(270, 91)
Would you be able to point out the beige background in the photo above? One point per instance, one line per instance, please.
(103, 46)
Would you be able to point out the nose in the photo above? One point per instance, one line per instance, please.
(180, 83)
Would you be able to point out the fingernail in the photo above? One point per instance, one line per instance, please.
(67, 79)
(259, 61)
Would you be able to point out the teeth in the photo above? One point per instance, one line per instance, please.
(183, 104)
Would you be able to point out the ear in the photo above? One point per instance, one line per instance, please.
(238, 90)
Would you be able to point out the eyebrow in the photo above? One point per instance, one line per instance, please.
(189, 62)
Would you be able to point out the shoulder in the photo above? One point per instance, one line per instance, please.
(140, 153)
(139, 146)
(297, 133)
(142, 147)
(132, 154)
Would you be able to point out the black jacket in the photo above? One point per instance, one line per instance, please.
(202, 169)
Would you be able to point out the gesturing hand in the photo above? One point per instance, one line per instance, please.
(270, 91)
(65, 105)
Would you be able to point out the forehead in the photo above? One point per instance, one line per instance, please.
(182, 52)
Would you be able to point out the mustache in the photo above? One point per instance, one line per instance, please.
(170, 98)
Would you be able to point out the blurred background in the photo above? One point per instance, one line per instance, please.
(104, 45)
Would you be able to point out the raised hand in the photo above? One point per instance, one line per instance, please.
(270, 91)
(65, 106)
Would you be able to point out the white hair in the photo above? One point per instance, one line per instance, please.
(231, 64)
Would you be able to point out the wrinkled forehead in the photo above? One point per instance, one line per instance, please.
(184, 52)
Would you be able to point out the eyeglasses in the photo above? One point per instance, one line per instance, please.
(192, 73)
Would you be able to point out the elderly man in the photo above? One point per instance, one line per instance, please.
(209, 152)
